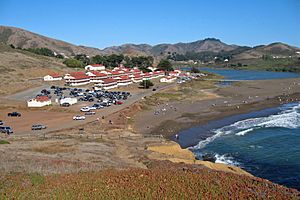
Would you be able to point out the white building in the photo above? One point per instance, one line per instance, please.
(107, 84)
(124, 80)
(137, 78)
(70, 101)
(95, 67)
(96, 77)
(77, 78)
(53, 77)
(39, 101)
(168, 79)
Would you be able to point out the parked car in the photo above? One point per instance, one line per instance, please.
(38, 127)
(90, 113)
(97, 106)
(85, 109)
(1, 122)
(78, 117)
(6, 129)
(14, 114)
(119, 102)
(65, 104)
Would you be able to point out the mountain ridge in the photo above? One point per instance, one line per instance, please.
(26, 39)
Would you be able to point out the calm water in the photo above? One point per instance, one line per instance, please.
(266, 143)
(251, 74)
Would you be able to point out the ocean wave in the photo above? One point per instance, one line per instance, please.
(289, 117)
(226, 160)
(244, 131)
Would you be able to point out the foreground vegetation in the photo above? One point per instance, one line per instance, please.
(162, 181)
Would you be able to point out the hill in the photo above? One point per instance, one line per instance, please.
(26, 39)
(209, 44)
(18, 67)
(277, 49)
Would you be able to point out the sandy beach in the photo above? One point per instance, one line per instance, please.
(242, 97)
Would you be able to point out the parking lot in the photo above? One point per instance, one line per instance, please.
(56, 117)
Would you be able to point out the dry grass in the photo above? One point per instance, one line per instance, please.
(55, 148)
(190, 91)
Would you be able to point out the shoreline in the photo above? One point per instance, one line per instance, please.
(227, 102)
(203, 112)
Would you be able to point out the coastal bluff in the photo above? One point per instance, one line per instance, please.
(171, 151)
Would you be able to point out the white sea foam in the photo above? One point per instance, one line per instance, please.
(226, 160)
(288, 118)
(244, 131)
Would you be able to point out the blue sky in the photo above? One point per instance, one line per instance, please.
(101, 23)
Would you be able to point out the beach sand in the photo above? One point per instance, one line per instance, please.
(173, 152)
(241, 97)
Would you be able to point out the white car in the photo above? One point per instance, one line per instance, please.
(92, 108)
(85, 109)
(78, 117)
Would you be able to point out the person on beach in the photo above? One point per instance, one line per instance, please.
(177, 137)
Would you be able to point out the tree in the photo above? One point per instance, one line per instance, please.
(98, 59)
(83, 58)
(42, 51)
(195, 70)
(146, 84)
(165, 65)
(115, 60)
(73, 63)
(59, 56)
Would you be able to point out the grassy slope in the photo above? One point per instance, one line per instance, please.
(280, 64)
(18, 66)
(165, 181)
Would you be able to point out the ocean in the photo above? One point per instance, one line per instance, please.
(265, 143)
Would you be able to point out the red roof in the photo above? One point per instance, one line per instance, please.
(137, 75)
(136, 70)
(79, 75)
(124, 77)
(54, 75)
(97, 65)
(109, 80)
(117, 72)
(98, 74)
(147, 74)
(42, 98)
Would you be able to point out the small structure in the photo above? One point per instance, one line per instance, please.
(53, 77)
(94, 67)
(168, 79)
(68, 100)
(39, 101)
(175, 73)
